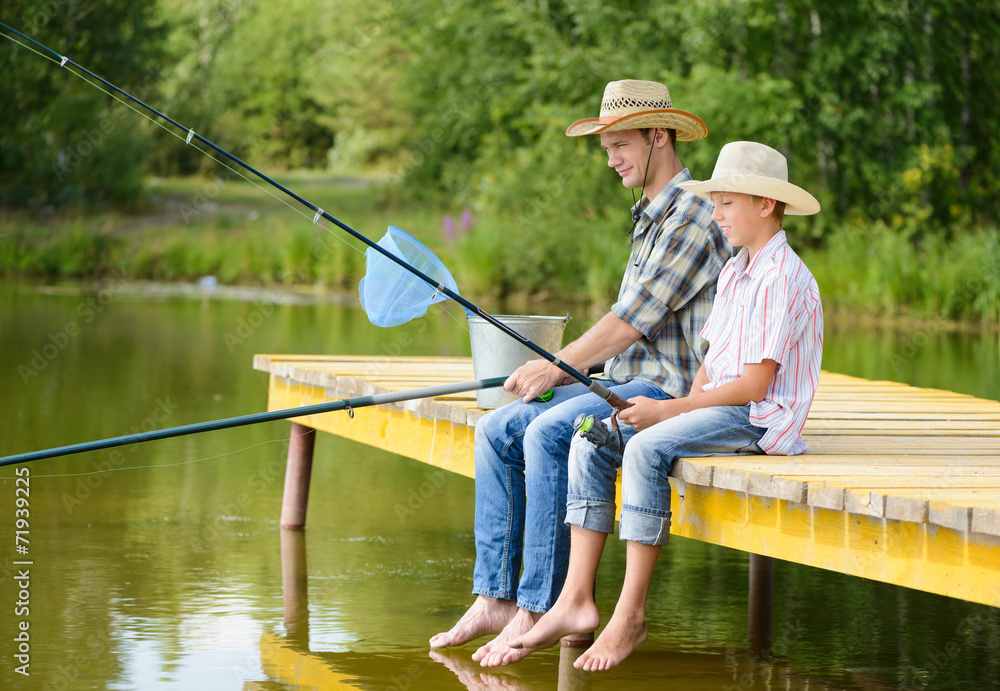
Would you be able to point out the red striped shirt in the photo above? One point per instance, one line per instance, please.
(769, 309)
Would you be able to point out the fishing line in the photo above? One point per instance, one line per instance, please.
(595, 387)
(100, 87)
(159, 465)
(236, 171)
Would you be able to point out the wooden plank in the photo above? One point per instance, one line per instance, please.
(927, 427)
(912, 434)
(968, 496)
(835, 469)
(927, 484)
(911, 407)
(884, 444)
(949, 507)
(862, 463)
(858, 414)
(901, 484)
(986, 521)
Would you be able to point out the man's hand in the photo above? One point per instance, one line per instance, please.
(646, 412)
(608, 337)
(533, 379)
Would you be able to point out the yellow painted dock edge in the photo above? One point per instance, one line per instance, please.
(923, 556)
(437, 442)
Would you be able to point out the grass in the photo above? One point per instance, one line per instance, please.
(242, 234)
(877, 272)
(235, 231)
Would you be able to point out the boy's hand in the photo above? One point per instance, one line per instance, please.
(646, 412)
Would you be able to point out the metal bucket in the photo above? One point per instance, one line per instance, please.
(495, 354)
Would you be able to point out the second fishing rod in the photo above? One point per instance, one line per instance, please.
(617, 402)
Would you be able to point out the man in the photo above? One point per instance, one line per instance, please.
(650, 340)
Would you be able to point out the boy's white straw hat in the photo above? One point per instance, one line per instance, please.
(757, 169)
(631, 104)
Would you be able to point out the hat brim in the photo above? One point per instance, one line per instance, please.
(797, 201)
(689, 127)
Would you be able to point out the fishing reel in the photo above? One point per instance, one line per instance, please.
(597, 433)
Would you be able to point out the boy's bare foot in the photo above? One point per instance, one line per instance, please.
(498, 651)
(623, 634)
(565, 618)
(487, 615)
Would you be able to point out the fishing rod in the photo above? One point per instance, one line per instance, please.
(617, 402)
(348, 404)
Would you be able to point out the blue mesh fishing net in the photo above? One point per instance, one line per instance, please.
(392, 295)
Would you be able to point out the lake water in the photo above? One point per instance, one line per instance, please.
(159, 566)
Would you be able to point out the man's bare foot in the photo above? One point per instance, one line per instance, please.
(498, 651)
(567, 616)
(487, 615)
(623, 634)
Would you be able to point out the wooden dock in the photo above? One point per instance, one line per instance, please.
(900, 484)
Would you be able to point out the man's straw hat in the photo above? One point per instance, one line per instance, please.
(632, 104)
(757, 169)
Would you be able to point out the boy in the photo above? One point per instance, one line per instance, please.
(751, 396)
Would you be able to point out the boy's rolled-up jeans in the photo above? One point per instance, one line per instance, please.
(522, 455)
(645, 464)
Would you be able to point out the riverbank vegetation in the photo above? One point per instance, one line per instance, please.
(454, 113)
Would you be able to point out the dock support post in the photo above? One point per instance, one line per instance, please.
(759, 604)
(298, 471)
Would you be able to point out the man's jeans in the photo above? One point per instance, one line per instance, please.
(648, 457)
(522, 451)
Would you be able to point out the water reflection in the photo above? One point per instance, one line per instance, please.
(289, 660)
(161, 567)
(295, 586)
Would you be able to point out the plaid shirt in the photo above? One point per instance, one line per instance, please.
(668, 289)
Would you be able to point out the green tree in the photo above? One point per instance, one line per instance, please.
(61, 140)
